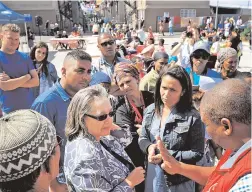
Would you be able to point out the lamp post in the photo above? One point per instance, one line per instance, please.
(216, 16)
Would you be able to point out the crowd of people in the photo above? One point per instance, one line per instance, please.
(136, 119)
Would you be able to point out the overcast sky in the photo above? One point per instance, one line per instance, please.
(232, 3)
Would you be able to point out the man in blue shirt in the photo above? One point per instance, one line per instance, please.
(17, 73)
(53, 104)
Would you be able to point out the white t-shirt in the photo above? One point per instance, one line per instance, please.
(208, 21)
(170, 23)
(238, 22)
(184, 56)
(141, 35)
(215, 47)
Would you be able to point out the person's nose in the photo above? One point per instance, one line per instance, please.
(87, 76)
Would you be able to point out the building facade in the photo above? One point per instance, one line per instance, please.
(152, 10)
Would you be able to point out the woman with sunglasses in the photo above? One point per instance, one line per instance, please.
(173, 118)
(130, 109)
(46, 70)
(200, 75)
(95, 159)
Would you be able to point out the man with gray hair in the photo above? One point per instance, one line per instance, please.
(53, 103)
(29, 152)
(17, 72)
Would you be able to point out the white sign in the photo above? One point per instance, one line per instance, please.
(166, 14)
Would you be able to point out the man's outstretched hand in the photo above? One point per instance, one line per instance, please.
(170, 164)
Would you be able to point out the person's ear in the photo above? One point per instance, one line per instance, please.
(63, 71)
(228, 128)
(98, 46)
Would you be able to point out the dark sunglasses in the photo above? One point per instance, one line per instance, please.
(59, 140)
(201, 55)
(102, 117)
(105, 44)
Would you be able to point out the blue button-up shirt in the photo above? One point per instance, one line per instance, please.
(53, 104)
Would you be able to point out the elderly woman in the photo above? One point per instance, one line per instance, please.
(94, 159)
(130, 111)
(228, 62)
(46, 70)
(173, 118)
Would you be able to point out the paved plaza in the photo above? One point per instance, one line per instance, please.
(56, 57)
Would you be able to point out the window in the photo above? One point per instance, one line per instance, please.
(187, 12)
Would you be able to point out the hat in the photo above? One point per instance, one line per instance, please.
(27, 140)
(226, 53)
(201, 45)
(98, 78)
(123, 69)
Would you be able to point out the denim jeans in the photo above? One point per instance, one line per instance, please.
(171, 30)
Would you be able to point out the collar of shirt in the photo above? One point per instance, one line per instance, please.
(231, 161)
(104, 62)
(175, 115)
(63, 94)
(154, 73)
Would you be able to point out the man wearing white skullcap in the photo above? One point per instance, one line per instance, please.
(29, 152)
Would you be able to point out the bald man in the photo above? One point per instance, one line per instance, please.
(108, 59)
(226, 112)
(53, 104)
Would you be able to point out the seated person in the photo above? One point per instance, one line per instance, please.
(29, 152)
(75, 33)
(133, 45)
(161, 47)
(58, 35)
(64, 35)
(148, 51)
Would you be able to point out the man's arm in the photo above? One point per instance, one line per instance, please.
(172, 166)
(34, 81)
(12, 84)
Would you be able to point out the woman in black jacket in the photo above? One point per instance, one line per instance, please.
(130, 109)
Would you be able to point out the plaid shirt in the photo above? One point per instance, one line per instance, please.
(102, 65)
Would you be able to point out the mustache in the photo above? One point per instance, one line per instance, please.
(86, 83)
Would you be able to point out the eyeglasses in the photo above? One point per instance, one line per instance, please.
(102, 117)
(59, 140)
(105, 44)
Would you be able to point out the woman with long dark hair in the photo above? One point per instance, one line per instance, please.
(174, 119)
(46, 70)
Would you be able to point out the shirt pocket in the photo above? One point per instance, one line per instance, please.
(179, 135)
